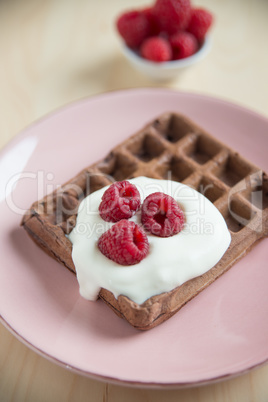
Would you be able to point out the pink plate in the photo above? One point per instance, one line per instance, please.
(222, 332)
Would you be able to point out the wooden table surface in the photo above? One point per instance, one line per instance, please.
(57, 51)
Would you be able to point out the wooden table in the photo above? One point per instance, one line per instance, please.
(55, 52)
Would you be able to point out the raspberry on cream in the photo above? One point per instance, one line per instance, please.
(125, 243)
(171, 261)
(121, 200)
(161, 215)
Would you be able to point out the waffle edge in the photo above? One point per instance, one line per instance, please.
(170, 147)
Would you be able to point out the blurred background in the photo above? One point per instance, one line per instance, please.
(57, 51)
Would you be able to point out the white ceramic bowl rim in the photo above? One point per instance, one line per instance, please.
(173, 64)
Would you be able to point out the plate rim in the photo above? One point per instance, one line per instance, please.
(128, 383)
(113, 380)
(60, 109)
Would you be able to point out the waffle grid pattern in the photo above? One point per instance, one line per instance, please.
(173, 147)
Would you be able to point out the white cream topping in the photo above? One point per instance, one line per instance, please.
(171, 261)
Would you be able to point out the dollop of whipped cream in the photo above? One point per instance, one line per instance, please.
(171, 261)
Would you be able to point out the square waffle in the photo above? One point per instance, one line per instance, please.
(170, 147)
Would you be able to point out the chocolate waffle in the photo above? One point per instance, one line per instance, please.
(170, 147)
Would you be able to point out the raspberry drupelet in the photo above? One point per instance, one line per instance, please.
(134, 27)
(183, 44)
(173, 15)
(156, 49)
(124, 243)
(120, 201)
(161, 215)
(200, 22)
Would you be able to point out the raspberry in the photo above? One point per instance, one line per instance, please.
(120, 201)
(183, 45)
(125, 243)
(154, 27)
(134, 27)
(156, 49)
(161, 215)
(173, 15)
(200, 23)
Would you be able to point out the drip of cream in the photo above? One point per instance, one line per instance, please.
(171, 261)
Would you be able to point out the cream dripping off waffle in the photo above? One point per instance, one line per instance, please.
(171, 147)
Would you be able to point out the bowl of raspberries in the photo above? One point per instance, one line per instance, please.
(165, 38)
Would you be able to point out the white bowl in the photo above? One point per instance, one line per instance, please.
(165, 70)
